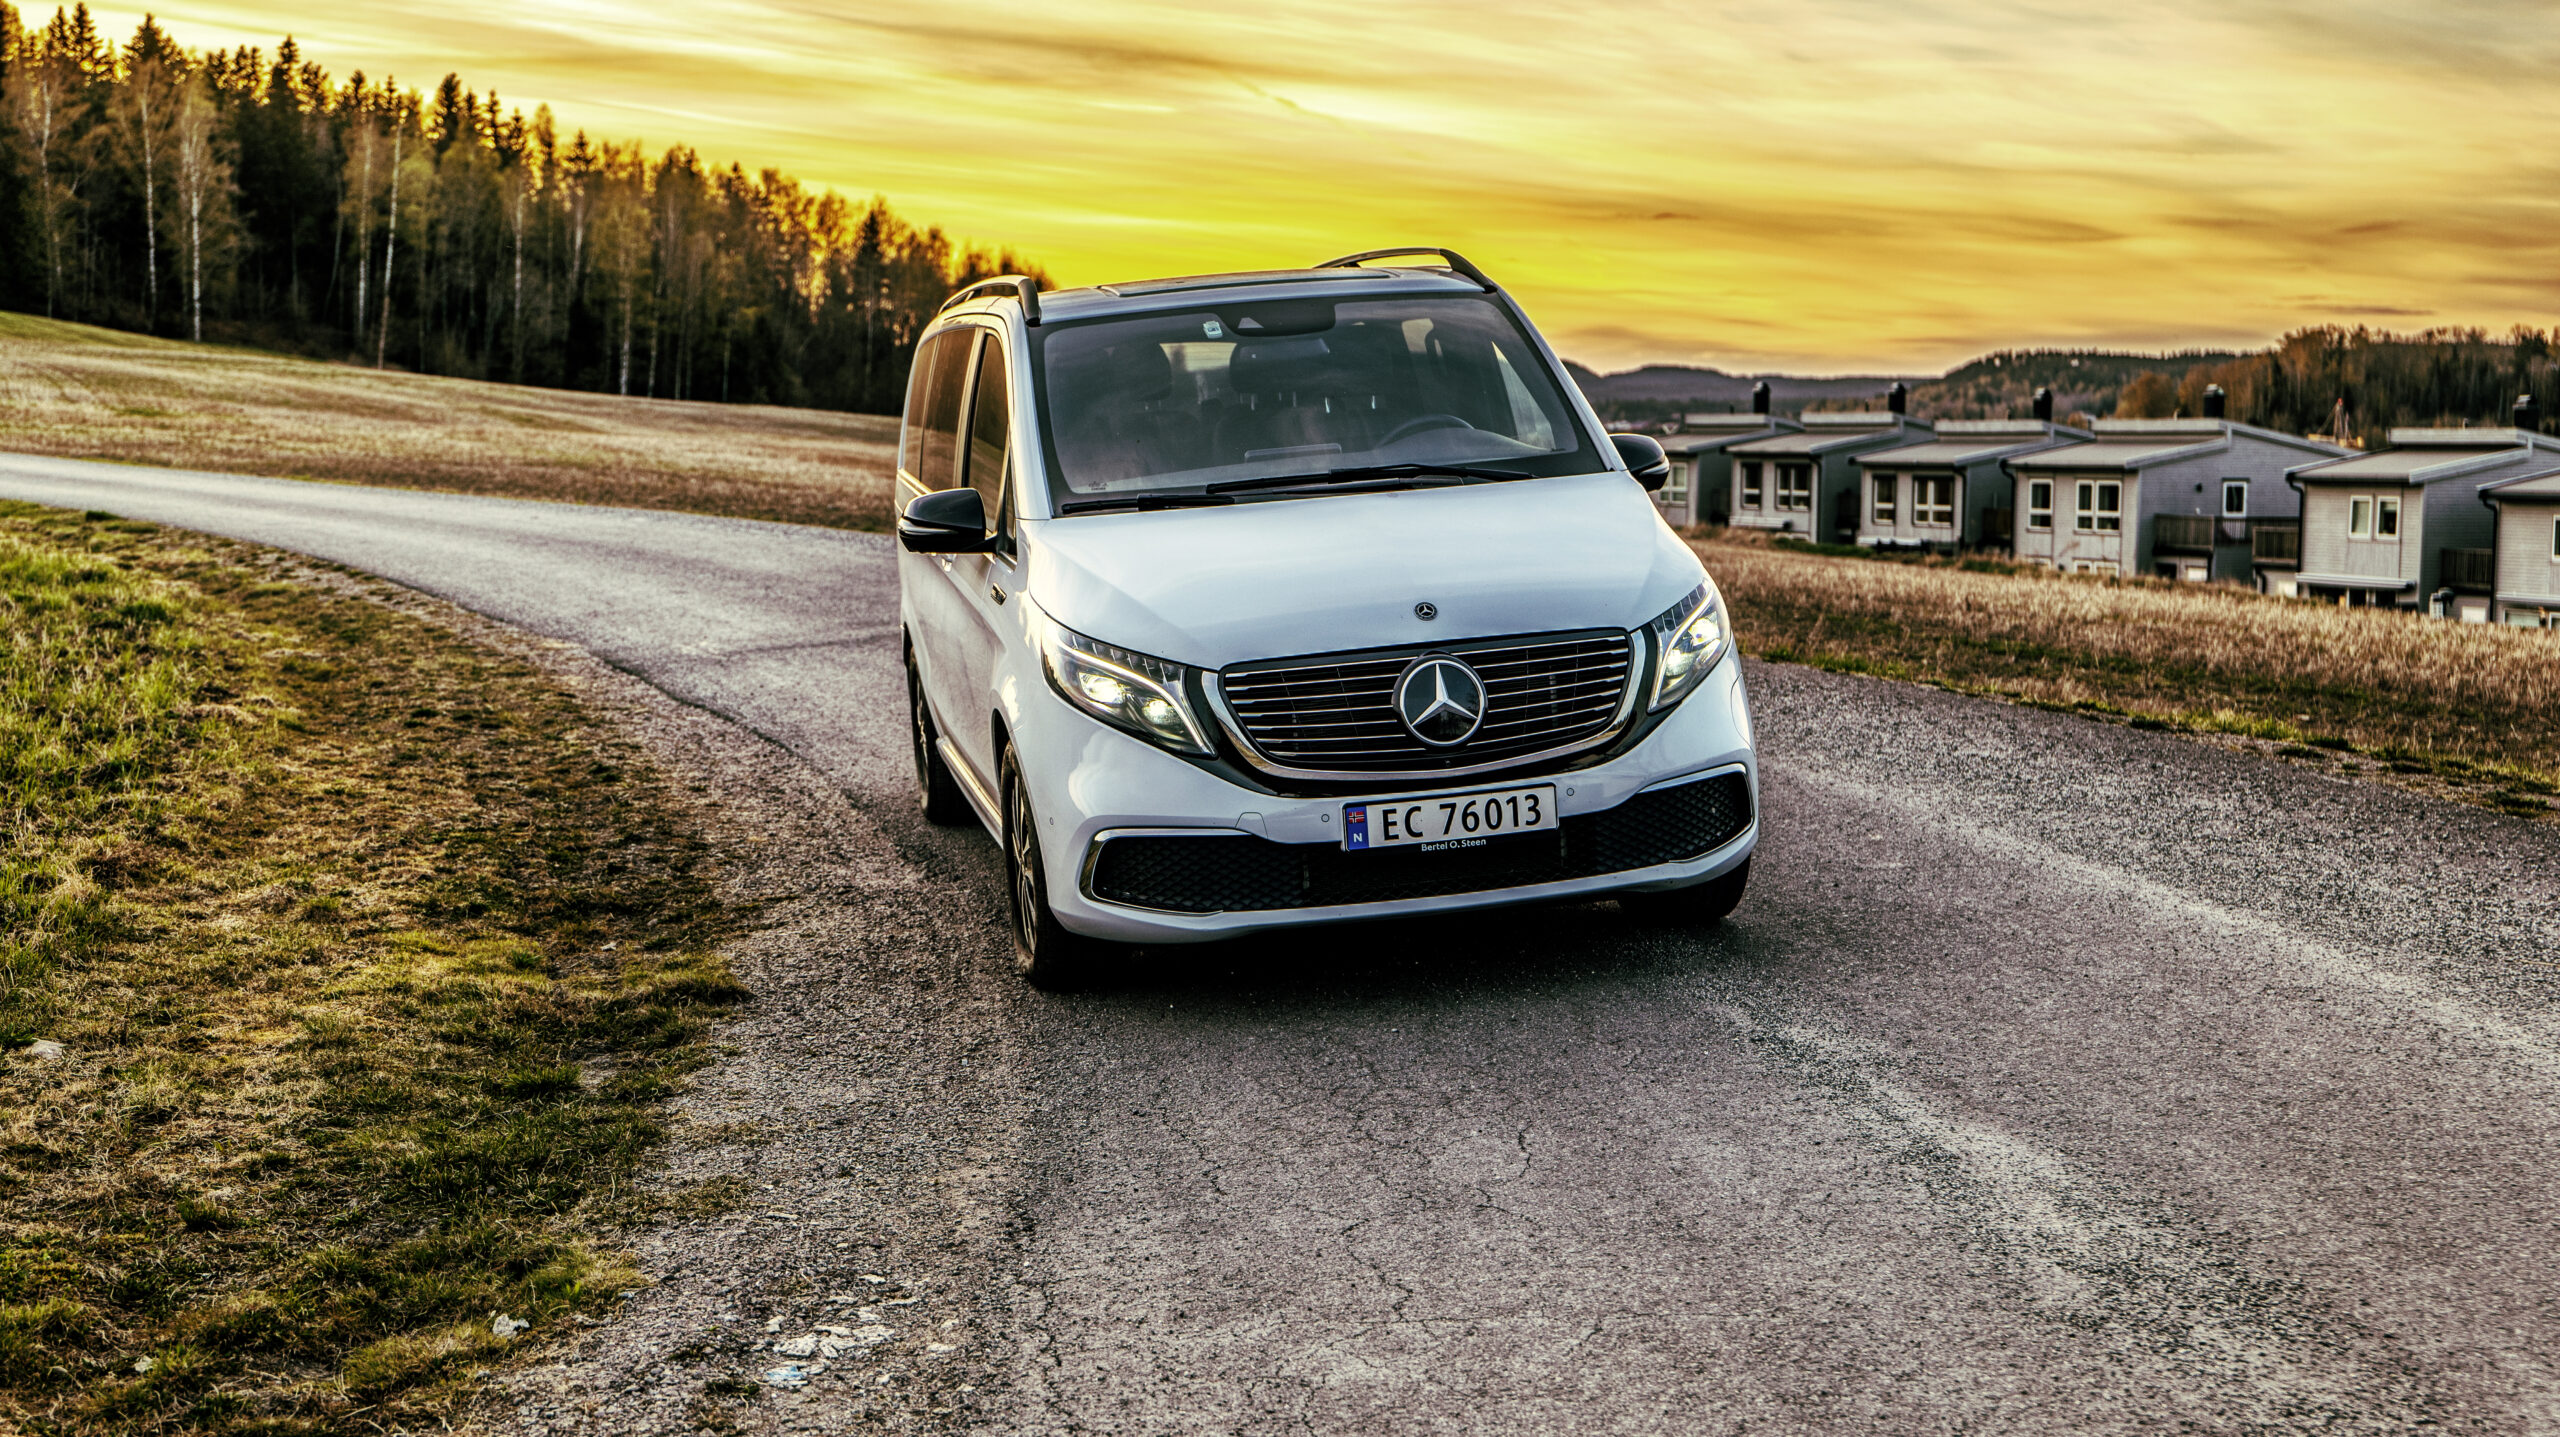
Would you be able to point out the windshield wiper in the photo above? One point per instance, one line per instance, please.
(1146, 501)
(1359, 473)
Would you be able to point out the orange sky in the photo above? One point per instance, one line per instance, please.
(1822, 185)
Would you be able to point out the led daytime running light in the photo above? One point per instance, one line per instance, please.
(1690, 639)
(1145, 695)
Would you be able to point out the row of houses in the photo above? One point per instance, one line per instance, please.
(2461, 522)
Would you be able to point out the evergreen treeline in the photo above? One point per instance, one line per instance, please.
(249, 198)
(2439, 376)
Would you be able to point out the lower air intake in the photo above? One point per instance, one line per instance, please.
(1240, 873)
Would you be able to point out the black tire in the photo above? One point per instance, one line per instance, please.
(1044, 952)
(1701, 906)
(940, 793)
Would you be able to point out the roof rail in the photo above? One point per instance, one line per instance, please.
(1024, 289)
(1457, 262)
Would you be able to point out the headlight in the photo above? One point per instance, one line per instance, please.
(1147, 696)
(1690, 636)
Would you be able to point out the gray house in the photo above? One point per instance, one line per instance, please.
(2527, 590)
(1950, 491)
(2396, 526)
(1806, 482)
(1701, 485)
(2192, 499)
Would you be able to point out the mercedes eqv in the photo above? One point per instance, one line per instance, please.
(1254, 600)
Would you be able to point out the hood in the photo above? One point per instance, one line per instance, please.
(1212, 587)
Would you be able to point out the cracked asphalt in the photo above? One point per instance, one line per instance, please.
(2054, 1077)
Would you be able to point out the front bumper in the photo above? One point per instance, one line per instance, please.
(1092, 785)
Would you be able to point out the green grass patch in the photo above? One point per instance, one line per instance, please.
(371, 959)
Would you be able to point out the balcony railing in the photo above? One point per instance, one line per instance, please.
(2182, 531)
(2272, 542)
(2475, 569)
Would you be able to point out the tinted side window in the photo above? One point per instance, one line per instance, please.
(919, 399)
(927, 446)
(988, 428)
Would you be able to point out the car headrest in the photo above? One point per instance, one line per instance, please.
(1133, 373)
(1269, 366)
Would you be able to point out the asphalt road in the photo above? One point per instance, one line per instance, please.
(2053, 1077)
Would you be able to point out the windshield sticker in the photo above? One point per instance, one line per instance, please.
(1212, 328)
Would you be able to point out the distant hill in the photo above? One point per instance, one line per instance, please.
(1991, 387)
(2083, 381)
(1661, 390)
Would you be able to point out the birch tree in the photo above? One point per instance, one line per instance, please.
(368, 174)
(145, 111)
(202, 180)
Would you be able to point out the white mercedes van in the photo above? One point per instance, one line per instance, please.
(1249, 601)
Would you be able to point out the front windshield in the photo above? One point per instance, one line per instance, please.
(1177, 400)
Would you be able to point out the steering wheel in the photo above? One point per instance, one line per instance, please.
(1421, 422)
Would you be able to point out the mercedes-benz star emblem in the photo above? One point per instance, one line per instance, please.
(1426, 611)
(1440, 700)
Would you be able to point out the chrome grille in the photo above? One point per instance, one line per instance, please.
(1336, 712)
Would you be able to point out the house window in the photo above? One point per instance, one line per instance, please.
(2100, 510)
(2040, 504)
(2359, 518)
(1795, 487)
(1751, 485)
(1888, 498)
(1675, 490)
(1933, 499)
(2555, 540)
(2235, 498)
(2386, 519)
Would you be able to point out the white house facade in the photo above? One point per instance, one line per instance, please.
(2404, 527)
(1950, 491)
(2527, 582)
(2192, 499)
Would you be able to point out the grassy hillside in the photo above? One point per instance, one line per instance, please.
(78, 392)
(345, 967)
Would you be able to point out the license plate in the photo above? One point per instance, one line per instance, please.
(1458, 820)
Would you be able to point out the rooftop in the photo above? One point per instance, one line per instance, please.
(2123, 452)
(2197, 427)
(1821, 439)
(1704, 443)
(2030, 428)
(1953, 449)
(2468, 438)
(2541, 484)
(2415, 464)
(1855, 419)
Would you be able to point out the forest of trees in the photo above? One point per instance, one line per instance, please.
(253, 199)
(2440, 376)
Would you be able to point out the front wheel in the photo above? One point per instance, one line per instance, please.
(1701, 906)
(1044, 951)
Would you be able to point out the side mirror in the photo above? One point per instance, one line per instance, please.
(946, 521)
(1645, 459)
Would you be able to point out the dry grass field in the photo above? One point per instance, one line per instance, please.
(72, 391)
(2469, 704)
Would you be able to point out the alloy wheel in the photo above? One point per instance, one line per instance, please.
(1024, 845)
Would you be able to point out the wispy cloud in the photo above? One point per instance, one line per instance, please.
(1835, 184)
